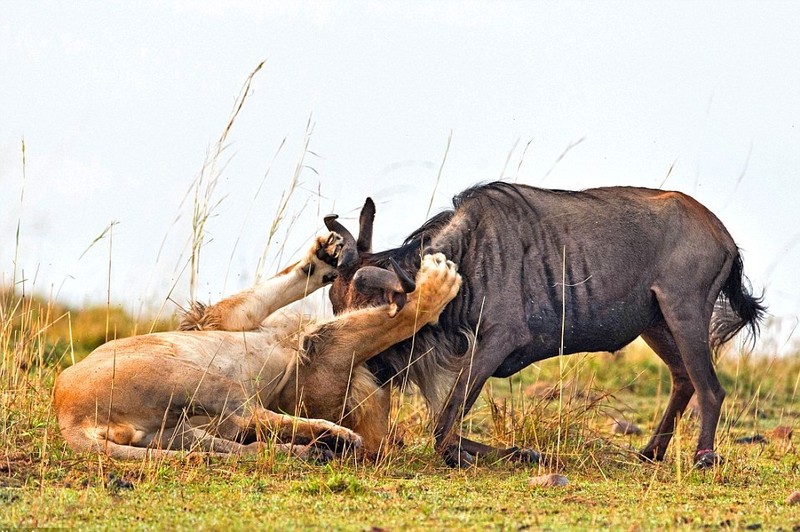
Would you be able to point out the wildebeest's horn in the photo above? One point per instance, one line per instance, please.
(370, 278)
(406, 281)
(349, 256)
(365, 221)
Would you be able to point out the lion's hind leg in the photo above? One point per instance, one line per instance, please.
(123, 442)
(293, 429)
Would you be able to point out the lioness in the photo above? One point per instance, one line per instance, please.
(249, 369)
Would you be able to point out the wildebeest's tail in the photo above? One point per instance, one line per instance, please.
(748, 310)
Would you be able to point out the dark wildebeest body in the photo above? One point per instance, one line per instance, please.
(546, 270)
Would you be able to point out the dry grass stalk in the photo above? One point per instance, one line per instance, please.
(204, 186)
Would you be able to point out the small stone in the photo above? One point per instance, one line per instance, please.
(793, 498)
(619, 426)
(542, 390)
(551, 480)
(782, 432)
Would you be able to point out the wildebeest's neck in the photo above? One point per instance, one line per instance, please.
(414, 246)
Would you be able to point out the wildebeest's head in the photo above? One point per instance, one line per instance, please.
(362, 282)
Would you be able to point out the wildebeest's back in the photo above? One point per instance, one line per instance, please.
(519, 249)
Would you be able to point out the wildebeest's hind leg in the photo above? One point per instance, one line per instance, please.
(688, 321)
(659, 338)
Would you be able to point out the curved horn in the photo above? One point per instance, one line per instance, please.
(365, 221)
(406, 281)
(370, 278)
(349, 255)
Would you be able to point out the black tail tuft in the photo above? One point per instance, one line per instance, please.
(748, 310)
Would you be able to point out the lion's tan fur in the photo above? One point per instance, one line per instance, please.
(226, 382)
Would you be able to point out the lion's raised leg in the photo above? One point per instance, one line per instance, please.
(354, 337)
(246, 310)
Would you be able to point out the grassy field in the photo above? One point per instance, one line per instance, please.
(563, 407)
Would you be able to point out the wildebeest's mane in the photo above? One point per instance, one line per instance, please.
(421, 237)
(430, 228)
(509, 195)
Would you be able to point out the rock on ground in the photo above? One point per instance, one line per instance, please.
(782, 432)
(551, 480)
(619, 426)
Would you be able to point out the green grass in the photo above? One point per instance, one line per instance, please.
(414, 494)
(44, 484)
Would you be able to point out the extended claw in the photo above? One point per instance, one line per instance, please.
(329, 248)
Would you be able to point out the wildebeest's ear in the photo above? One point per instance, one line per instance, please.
(365, 221)
(349, 255)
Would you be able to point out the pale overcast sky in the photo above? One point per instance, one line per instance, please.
(119, 102)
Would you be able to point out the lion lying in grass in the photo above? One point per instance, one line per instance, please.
(248, 370)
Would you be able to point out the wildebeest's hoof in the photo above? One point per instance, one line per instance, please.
(457, 458)
(525, 456)
(707, 458)
(650, 455)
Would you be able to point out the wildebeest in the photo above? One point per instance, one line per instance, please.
(554, 271)
(228, 381)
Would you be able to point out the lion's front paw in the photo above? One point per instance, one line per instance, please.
(438, 283)
(320, 261)
(328, 248)
(340, 440)
(338, 436)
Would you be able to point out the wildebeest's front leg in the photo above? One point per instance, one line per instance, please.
(246, 310)
(456, 450)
